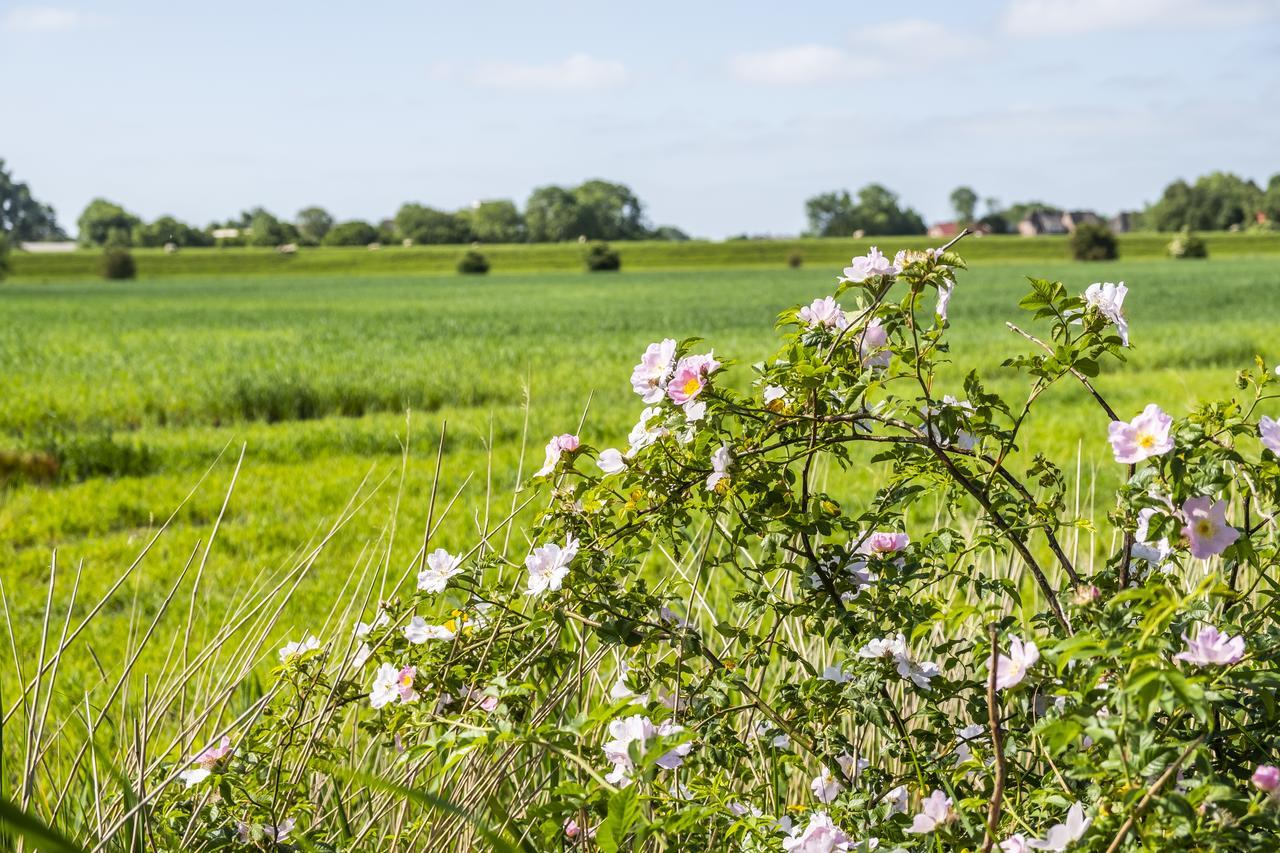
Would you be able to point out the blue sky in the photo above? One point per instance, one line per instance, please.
(723, 116)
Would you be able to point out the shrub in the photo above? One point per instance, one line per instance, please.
(1093, 241)
(4, 256)
(354, 233)
(117, 264)
(600, 257)
(795, 260)
(473, 263)
(1188, 245)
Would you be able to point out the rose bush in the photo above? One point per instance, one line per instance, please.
(874, 682)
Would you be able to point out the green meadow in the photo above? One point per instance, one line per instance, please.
(121, 398)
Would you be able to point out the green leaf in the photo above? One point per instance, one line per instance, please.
(30, 828)
(623, 816)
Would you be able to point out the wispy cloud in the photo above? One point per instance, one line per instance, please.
(893, 47)
(576, 73)
(1076, 17)
(42, 19)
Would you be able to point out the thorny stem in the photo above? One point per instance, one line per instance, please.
(997, 748)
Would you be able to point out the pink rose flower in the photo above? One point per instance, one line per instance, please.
(1269, 430)
(1266, 777)
(884, 542)
(1206, 527)
(1210, 648)
(1145, 436)
(690, 377)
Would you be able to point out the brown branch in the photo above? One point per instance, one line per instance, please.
(1169, 773)
(997, 748)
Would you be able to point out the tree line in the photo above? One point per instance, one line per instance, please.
(603, 210)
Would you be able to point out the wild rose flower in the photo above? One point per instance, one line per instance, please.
(775, 398)
(404, 685)
(1108, 300)
(549, 564)
(386, 686)
(644, 433)
(621, 689)
(820, 836)
(898, 799)
(611, 462)
(962, 439)
(418, 631)
(571, 829)
(873, 345)
(1063, 835)
(720, 461)
(244, 831)
(824, 313)
(649, 378)
(1266, 778)
(825, 786)
(1209, 648)
(886, 647)
(851, 765)
(836, 675)
(944, 297)
(640, 729)
(884, 543)
(202, 766)
(1145, 436)
(560, 444)
(873, 263)
(1016, 843)
(1012, 668)
(963, 737)
(935, 813)
(919, 673)
(363, 629)
(1153, 553)
(1269, 431)
(1206, 527)
(690, 377)
(361, 656)
(294, 651)
(441, 565)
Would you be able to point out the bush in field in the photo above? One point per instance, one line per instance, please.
(117, 263)
(473, 263)
(1187, 245)
(1093, 241)
(599, 257)
(4, 256)
(795, 260)
(873, 675)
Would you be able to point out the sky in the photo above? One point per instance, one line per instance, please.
(722, 116)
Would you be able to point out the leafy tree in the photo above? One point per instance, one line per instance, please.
(875, 212)
(353, 233)
(106, 223)
(428, 225)
(552, 215)
(4, 255)
(1215, 202)
(965, 203)
(22, 217)
(609, 211)
(1015, 213)
(312, 224)
(168, 229)
(1270, 206)
(266, 230)
(669, 233)
(495, 221)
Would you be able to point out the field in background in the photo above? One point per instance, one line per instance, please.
(135, 388)
(825, 253)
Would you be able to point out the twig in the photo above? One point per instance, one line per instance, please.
(997, 748)
(1169, 773)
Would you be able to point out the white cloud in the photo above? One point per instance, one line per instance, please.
(576, 73)
(880, 50)
(1074, 17)
(43, 19)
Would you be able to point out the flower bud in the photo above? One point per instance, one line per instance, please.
(1086, 594)
(571, 829)
(1267, 777)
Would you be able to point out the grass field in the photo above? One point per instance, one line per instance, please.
(134, 389)
(825, 253)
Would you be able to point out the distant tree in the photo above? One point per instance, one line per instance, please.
(965, 203)
(428, 225)
(495, 221)
(266, 230)
(105, 223)
(168, 229)
(1270, 206)
(609, 211)
(312, 224)
(1215, 202)
(22, 217)
(670, 233)
(4, 255)
(353, 233)
(388, 233)
(995, 223)
(875, 212)
(1015, 213)
(551, 215)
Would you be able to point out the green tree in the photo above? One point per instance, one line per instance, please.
(669, 233)
(1215, 202)
(609, 211)
(266, 230)
(964, 201)
(1270, 206)
(552, 215)
(831, 214)
(168, 229)
(4, 255)
(106, 223)
(353, 233)
(875, 212)
(427, 225)
(313, 223)
(22, 217)
(496, 221)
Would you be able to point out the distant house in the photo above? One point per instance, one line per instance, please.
(49, 247)
(226, 233)
(1042, 222)
(1074, 218)
(1123, 222)
(944, 229)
